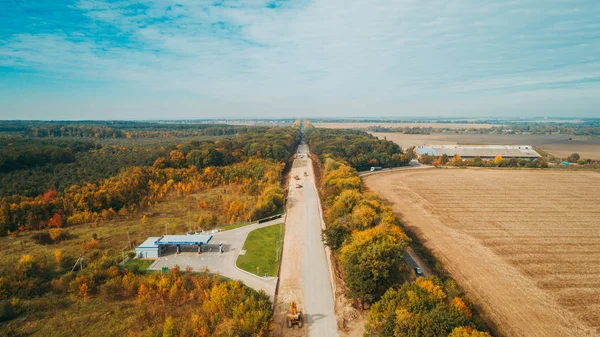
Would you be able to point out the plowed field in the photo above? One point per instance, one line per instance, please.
(525, 245)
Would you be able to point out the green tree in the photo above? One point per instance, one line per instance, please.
(371, 261)
(573, 158)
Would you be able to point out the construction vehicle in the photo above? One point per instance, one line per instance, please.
(295, 316)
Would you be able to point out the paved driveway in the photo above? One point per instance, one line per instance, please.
(223, 264)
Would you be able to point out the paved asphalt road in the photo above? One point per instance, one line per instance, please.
(224, 264)
(318, 294)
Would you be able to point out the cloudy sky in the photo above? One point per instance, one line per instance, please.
(164, 59)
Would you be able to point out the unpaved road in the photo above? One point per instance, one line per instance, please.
(522, 243)
(304, 275)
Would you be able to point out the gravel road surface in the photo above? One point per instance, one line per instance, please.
(304, 276)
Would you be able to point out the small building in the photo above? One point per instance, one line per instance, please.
(486, 152)
(149, 249)
(154, 246)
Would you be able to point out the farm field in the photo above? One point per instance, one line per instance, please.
(556, 145)
(523, 244)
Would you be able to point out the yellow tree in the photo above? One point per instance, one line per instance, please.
(58, 256)
(465, 331)
(55, 234)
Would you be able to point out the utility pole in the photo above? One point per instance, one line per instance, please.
(128, 238)
(123, 253)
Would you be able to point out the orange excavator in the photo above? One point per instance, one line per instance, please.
(295, 317)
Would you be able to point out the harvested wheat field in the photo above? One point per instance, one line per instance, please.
(524, 244)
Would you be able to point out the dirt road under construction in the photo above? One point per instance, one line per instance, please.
(305, 275)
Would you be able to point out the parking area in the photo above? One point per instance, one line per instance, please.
(221, 263)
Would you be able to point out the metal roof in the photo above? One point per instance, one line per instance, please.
(489, 151)
(192, 239)
(427, 150)
(149, 243)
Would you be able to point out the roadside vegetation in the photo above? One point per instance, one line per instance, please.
(498, 161)
(191, 183)
(359, 149)
(263, 251)
(368, 243)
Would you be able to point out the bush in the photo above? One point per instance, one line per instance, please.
(6, 311)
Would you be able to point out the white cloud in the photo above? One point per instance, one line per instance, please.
(330, 52)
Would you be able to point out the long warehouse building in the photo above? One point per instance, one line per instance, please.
(485, 152)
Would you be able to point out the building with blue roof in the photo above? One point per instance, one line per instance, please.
(155, 246)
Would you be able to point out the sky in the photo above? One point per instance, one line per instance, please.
(159, 59)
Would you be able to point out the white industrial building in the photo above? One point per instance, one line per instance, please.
(482, 151)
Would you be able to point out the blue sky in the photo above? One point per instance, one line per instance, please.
(96, 59)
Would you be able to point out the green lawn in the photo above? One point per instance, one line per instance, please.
(260, 251)
(141, 264)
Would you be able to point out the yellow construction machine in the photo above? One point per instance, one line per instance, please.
(295, 317)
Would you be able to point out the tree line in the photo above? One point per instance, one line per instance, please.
(119, 129)
(498, 161)
(590, 127)
(358, 148)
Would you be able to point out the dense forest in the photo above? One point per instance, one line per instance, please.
(359, 149)
(117, 129)
(230, 177)
(367, 240)
(145, 174)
